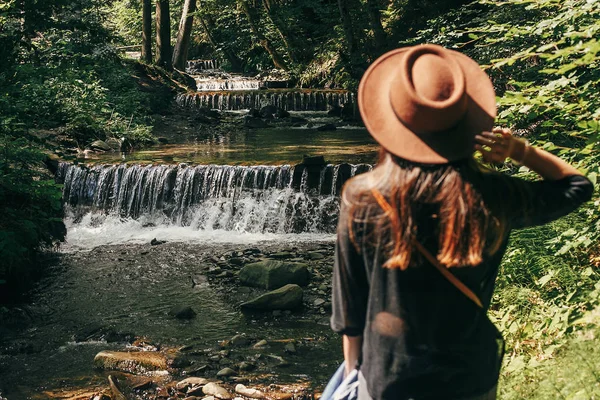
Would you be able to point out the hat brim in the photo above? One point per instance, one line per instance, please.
(427, 148)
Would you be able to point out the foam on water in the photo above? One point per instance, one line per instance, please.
(94, 230)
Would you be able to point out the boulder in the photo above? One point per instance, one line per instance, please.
(281, 113)
(288, 297)
(273, 274)
(182, 312)
(327, 127)
(100, 145)
(135, 362)
(255, 123)
(313, 160)
(268, 111)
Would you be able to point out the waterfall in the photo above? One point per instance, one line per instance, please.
(290, 100)
(208, 85)
(194, 66)
(256, 199)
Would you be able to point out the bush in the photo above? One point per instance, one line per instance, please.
(30, 205)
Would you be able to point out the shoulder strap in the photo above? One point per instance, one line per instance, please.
(433, 260)
(447, 274)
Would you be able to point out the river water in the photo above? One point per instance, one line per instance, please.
(243, 193)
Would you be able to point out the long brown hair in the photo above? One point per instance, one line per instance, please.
(396, 190)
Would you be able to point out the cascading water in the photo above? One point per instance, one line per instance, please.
(243, 199)
(290, 100)
(211, 85)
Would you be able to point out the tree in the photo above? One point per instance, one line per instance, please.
(163, 35)
(279, 28)
(183, 36)
(262, 39)
(347, 24)
(374, 11)
(147, 31)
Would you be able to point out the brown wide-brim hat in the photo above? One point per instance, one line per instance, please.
(426, 103)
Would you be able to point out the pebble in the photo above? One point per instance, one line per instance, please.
(248, 392)
(318, 302)
(290, 348)
(226, 372)
(240, 340)
(212, 389)
(188, 382)
(261, 343)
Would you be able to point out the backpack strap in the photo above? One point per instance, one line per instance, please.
(385, 205)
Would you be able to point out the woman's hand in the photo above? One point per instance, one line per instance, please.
(496, 146)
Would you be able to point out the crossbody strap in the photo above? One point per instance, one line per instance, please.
(433, 260)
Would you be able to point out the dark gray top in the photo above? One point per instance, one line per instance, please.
(423, 338)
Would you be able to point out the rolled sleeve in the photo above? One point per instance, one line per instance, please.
(350, 287)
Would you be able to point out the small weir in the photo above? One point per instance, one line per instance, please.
(290, 100)
(254, 199)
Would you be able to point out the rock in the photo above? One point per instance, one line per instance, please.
(236, 261)
(319, 302)
(117, 394)
(162, 140)
(259, 344)
(288, 297)
(52, 161)
(273, 274)
(248, 392)
(268, 111)
(313, 160)
(135, 362)
(281, 113)
(212, 389)
(226, 372)
(115, 144)
(100, 145)
(140, 383)
(336, 111)
(200, 281)
(290, 348)
(255, 123)
(327, 127)
(155, 242)
(182, 312)
(246, 366)
(315, 255)
(253, 112)
(277, 313)
(240, 340)
(281, 255)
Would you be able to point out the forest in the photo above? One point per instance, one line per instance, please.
(75, 72)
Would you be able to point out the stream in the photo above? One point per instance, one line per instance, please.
(144, 228)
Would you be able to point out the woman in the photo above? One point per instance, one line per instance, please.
(427, 209)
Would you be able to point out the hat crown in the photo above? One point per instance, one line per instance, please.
(432, 78)
(428, 94)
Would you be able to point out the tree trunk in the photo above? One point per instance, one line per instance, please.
(280, 30)
(183, 36)
(379, 34)
(252, 20)
(234, 60)
(147, 31)
(163, 35)
(347, 24)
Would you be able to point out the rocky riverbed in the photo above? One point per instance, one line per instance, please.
(174, 320)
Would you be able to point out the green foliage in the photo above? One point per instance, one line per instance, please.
(30, 205)
(543, 57)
